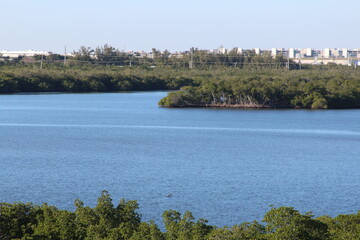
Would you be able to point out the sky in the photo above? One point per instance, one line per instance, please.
(178, 25)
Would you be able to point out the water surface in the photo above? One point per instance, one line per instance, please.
(225, 165)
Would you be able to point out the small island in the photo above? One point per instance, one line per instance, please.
(337, 88)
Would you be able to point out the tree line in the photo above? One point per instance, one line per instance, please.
(315, 89)
(259, 86)
(88, 79)
(123, 222)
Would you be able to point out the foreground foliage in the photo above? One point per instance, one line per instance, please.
(106, 221)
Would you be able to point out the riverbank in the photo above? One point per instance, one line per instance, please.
(233, 106)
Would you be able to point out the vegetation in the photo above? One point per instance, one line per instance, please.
(216, 80)
(316, 89)
(107, 69)
(88, 79)
(106, 221)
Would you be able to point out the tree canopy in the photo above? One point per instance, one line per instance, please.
(123, 222)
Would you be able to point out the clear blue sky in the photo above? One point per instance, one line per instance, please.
(178, 24)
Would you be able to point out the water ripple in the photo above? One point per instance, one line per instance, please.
(270, 130)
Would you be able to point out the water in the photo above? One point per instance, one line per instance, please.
(227, 166)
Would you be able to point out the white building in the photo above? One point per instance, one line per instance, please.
(221, 50)
(239, 50)
(345, 52)
(335, 52)
(306, 52)
(177, 55)
(257, 51)
(274, 52)
(291, 53)
(28, 53)
(326, 53)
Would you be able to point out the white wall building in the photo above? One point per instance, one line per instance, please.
(335, 52)
(28, 53)
(291, 53)
(326, 53)
(274, 52)
(221, 50)
(345, 52)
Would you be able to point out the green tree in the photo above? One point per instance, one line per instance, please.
(286, 223)
(17, 220)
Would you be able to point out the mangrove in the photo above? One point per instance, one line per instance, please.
(123, 222)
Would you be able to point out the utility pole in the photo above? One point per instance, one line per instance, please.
(288, 60)
(356, 63)
(349, 61)
(41, 62)
(191, 58)
(65, 56)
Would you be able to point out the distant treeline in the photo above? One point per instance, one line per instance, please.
(123, 222)
(255, 86)
(89, 79)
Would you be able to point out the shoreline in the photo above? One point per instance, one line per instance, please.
(253, 108)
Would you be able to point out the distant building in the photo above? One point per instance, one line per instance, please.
(274, 52)
(309, 52)
(291, 53)
(239, 51)
(140, 54)
(335, 52)
(129, 52)
(177, 55)
(28, 53)
(345, 52)
(257, 51)
(326, 53)
(306, 52)
(222, 50)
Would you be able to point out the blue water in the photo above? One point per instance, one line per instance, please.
(227, 166)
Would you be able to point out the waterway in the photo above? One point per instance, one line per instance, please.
(225, 165)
